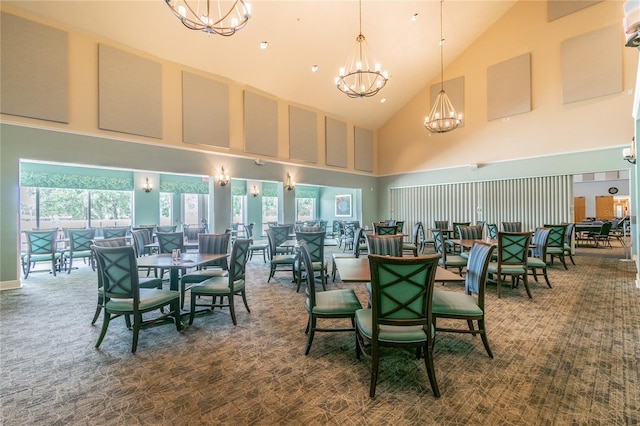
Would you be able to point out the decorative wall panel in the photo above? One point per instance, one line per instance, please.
(303, 135)
(205, 111)
(509, 87)
(336, 142)
(260, 125)
(363, 139)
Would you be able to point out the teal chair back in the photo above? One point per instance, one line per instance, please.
(556, 238)
(238, 261)
(167, 228)
(215, 244)
(114, 232)
(280, 234)
(513, 248)
(493, 231)
(169, 241)
(314, 242)
(41, 242)
(80, 240)
(385, 245)
(141, 238)
(118, 273)
(386, 229)
(399, 226)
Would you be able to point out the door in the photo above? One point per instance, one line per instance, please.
(579, 209)
(604, 207)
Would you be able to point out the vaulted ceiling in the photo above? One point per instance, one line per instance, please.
(300, 34)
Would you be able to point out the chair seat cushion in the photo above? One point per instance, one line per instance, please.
(284, 259)
(555, 250)
(509, 270)
(456, 260)
(149, 299)
(390, 334)
(42, 257)
(535, 262)
(258, 245)
(344, 256)
(78, 254)
(336, 302)
(317, 266)
(450, 302)
(217, 285)
(203, 274)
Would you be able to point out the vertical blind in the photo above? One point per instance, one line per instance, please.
(532, 201)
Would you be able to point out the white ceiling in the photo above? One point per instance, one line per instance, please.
(300, 34)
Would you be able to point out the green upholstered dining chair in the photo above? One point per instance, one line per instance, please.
(169, 241)
(385, 245)
(447, 260)
(452, 246)
(41, 247)
(415, 245)
(401, 311)
(261, 246)
(513, 252)
(280, 234)
(143, 282)
(467, 306)
(234, 284)
(492, 228)
(279, 261)
(471, 232)
(512, 226)
(538, 254)
(80, 241)
(399, 226)
(123, 296)
(207, 244)
(166, 228)
(568, 241)
(355, 253)
(555, 247)
(341, 303)
(385, 229)
(314, 242)
(347, 236)
(602, 236)
(115, 232)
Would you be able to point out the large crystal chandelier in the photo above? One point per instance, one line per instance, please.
(443, 117)
(361, 76)
(211, 16)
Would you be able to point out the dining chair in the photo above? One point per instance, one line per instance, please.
(385, 245)
(447, 260)
(399, 226)
(115, 232)
(602, 236)
(512, 226)
(207, 244)
(443, 225)
(355, 253)
(169, 241)
(400, 315)
(452, 246)
(123, 296)
(256, 246)
(537, 258)
(415, 245)
(166, 228)
(280, 235)
(513, 251)
(385, 229)
(279, 261)
(314, 242)
(471, 232)
(555, 247)
(80, 241)
(568, 239)
(341, 303)
(347, 236)
(41, 247)
(143, 282)
(468, 306)
(492, 228)
(234, 284)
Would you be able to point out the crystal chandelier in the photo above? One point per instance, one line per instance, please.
(211, 16)
(361, 76)
(443, 117)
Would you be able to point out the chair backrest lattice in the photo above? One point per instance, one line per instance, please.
(118, 273)
(167, 228)
(280, 234)
(81, 240)
(439, 245)
(41, 242)
(114, 232)
(493, 231)
(556, 238)
(386, 229)
(314, 242)
(238, 261)
(169, 241)
(513, 248)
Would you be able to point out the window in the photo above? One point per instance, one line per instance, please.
(238, 210)
(194, 208)
(62, 208)
(166, 205)
(110, 208)
(305, 209)
(269, 210)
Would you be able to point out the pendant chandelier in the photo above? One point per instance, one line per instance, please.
(211, 16)
(362, 76)
(443, 117)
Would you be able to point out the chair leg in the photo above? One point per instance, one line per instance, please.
(431, 371)
(232, 309)
(193, 309)
(175, 307)
(526, 285)
(105, 324)
(137, 320)
(244, 299)
(375, 361)
(483, 335)
(97, 314)
(546, 277)
(311, 327)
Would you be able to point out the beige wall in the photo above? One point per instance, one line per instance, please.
(83, 95)
(550, 128)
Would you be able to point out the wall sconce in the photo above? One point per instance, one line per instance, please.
(289, 185)
(254, 191)
(148, 186)
(223, 178)
(629, 154)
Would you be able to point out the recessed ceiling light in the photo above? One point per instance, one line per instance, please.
(383, 100)
(414, 17)
(314, 68)
(264, 45)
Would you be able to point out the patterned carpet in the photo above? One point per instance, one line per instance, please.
(568, 356)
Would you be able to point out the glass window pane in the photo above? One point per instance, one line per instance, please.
(305, 209)
(110, 208)
(63, 208)
(269, 210)
(166, 202)
(238, 209)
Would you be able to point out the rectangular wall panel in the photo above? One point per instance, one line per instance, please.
(130, 93)
(34, 70)
(363, 139)
(336, 142)
(559, 8)
(532, 201)
(509, 87)
(303, 135)
(205, 111)
(260, 125)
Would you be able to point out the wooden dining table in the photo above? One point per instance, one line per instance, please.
(356, 269)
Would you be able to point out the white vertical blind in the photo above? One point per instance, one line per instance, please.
(532, 201)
